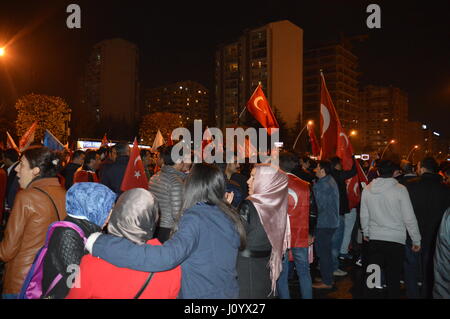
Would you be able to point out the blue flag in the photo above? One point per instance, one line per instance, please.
(52, 142)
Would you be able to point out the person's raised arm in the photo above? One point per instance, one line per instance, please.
(126, 254)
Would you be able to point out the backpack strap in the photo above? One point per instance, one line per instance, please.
(54, 205)
(150, 276)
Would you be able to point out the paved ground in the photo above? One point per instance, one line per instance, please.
(348, 287)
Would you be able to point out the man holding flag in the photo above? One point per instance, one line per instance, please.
(348, 173)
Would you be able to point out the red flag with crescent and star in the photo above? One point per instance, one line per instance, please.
(259, 107)
(335, 142)
(315, 148)
(104, 141)
(134, 174)
(329, 123)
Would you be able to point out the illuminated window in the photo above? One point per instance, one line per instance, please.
(199, 92)
(181, 87)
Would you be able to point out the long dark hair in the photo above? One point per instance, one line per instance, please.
(48, 162)
(206, 183)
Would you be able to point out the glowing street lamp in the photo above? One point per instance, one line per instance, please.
(2, 51)
(310, 122)
(390, 142)
(353, 133)
(412, 150)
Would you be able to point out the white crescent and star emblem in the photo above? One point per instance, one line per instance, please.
(326, 118)
(355, 189)
(137, 159)
(255, 103)
(294, 196)
(137, 174)
(345, 137)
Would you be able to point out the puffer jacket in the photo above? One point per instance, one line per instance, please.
(66, 248)
(27, 227)
(167, 187)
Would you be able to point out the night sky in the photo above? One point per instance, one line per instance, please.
(177, 40)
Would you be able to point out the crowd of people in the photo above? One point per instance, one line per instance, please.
(224, 230)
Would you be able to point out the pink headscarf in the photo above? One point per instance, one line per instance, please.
(271, 202)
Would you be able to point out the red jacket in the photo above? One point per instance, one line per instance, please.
(298, 210)
(102, 280)
(85, 176)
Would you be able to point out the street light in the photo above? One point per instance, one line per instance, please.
(412, 150)
(2, 51)
(353, 133)
(298, 136)
(390, 142)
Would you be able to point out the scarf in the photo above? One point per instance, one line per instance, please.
(270, 198)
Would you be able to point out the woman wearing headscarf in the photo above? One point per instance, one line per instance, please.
(88, 206)
(134, 217)
(36, 206)
(268, 232)
(205, 243)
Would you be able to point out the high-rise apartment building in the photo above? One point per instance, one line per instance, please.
(271, 55)
(110, 89)
(384, 117)
(339, 66)
(187, 98)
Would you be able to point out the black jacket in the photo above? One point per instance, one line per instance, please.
(66, 248)
(112, 174)
(430, 198)
(304, 174)
(68, 172)
(257, 239)
(242, 181)
(340, 177)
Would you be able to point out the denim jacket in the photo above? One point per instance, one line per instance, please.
(326, 193)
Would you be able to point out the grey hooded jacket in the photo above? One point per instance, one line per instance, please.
(387, 212)
(442, 260)
(167, 187)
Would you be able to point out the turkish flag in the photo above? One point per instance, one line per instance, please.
(259, 107)
(315, 148)
(28, 137)
(169, 139)
(329, 123)
(336, 142)
(134, 174)
(354, 186)
(104, 141)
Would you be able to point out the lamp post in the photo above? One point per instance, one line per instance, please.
(298, 136)
(390, 142)
(412, 150)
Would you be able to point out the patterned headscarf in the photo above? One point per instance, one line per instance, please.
(270, 197)
(134, 216)
(90, 201)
